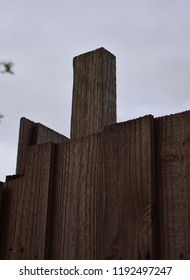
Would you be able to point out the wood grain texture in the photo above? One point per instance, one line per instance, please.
(26, 133)
(44, 134)
(114, 191)
(29, 241)
(32, 133)
(94, 93)
(76, 218)
(9, 216)
(1, 192)
(128, 226)
(172, 134)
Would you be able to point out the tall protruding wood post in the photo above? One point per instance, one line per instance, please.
(94, 92)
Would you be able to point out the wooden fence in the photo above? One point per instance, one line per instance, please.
(111, 191)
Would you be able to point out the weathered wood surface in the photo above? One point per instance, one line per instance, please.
(44, 134)
(102, 199)
(32, 133)
(30, 234)
(172, 134)
(77, 200)
(9, 216)
(28, 200)
(115, 191)
(1, 191)
(94, 197)
(94, 93)
(26, 133)
(128, 225)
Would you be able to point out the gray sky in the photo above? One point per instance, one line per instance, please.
(150, 38)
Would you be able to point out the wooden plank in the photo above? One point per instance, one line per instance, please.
(26, 133)
(28, 197)
(128, 222)
(172, 134)
(1, 222)
(1, 194)
(9, 216)
(94, 92)
(77, 207)
(32, 133)
(1, 191)
(44, 134)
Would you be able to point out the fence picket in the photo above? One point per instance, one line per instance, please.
(129, 182)
(31, 219)
(172, 148)
(77, 199)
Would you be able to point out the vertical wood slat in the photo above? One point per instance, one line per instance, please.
(30, 221)
(128, 225)
(44, 134)
(1, 196)
(32, 133)
(9, 216)
(172, 134)
(75, 231)
(94, 93)
(1, 192)
(26, 134)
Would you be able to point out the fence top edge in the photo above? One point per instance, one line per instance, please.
(178, 114)
(98, 50)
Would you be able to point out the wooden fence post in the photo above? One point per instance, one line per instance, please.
(94, 93)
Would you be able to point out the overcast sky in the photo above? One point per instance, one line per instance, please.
(150, 38)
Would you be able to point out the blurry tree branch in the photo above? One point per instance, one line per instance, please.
(6, 67)
(1, 116)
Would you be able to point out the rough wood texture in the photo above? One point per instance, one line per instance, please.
(30, 234)
(78, 185)
(9, 216)
(115, 191)
(1, 191)
(128, 225)
(44, 134)
(32, 133)
(25, 139)
(29, 198)
(172, 136)
(94, 93)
